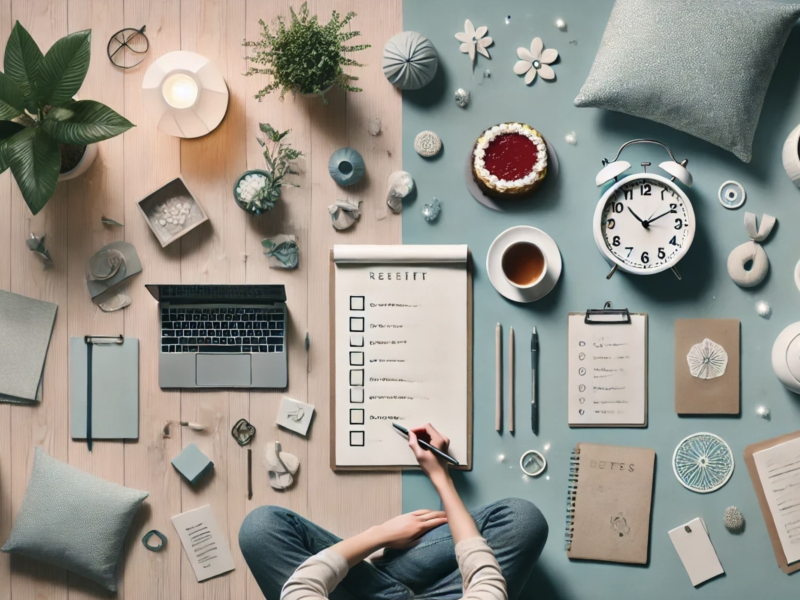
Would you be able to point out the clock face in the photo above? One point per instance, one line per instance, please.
(644, 223)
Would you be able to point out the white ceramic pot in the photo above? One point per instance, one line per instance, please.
(84, 164)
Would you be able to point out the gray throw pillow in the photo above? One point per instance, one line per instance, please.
(73, 520)
(700, 66)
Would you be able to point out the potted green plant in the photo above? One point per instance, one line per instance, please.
(256, 191)
(303, 56)
(45, 133)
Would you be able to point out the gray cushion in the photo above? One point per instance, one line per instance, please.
(700, 66)
(73, 520)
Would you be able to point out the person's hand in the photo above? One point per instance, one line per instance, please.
(434, 467)
(406, 530)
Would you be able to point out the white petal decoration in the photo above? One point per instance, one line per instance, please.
(521, 67)
(463, 37)
(481, 31)
(530, 76)
(524, 54)
(485, 42)
(469, 29)
(549, 56)
(472, 52)
(707, 360)
(547, 72)
(536, 48)
(482, 50)
(465, 47)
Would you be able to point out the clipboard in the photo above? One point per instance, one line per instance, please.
(762, 499)
(464, 466)
(584, 410)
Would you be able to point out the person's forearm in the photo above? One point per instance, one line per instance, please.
(357, 548)
(462, 525)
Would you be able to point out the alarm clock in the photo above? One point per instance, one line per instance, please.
(644, 222)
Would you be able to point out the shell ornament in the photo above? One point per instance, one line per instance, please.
(707, 360)
(703, 462)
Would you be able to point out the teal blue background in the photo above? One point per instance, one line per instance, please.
(564, 208)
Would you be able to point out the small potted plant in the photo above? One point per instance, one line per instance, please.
(257, 190)
(303, 56)
(45, 134)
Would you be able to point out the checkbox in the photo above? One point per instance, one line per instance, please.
(357, 395)
(356, 359)
(356, 341)
(357, 303)
(356, 377)
(356, 438)
(357, 324)
(356, 416)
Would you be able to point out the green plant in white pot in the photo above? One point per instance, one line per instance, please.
(42, 127)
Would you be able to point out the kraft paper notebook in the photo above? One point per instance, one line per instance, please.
(609, 501)
(707, 366)
(772, 465)
(26, 325)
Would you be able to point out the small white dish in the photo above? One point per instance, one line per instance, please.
(494, 267)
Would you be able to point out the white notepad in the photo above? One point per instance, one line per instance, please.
(696, 551)
(607, 373)
(204, 543)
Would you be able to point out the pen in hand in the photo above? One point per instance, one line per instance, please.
(428, 446)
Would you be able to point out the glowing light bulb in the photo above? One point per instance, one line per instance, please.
(180, 90)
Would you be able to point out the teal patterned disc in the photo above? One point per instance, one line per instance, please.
(703, 462)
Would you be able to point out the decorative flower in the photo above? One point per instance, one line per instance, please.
(472, 39)
(536, 61)
(707, 360)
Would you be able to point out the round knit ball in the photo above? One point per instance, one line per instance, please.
(410, 60)
(427, 144)
(734, 521)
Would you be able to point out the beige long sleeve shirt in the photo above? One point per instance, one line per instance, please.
(317, 577)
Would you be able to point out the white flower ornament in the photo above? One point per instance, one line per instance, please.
(472, 39)
(536, 61)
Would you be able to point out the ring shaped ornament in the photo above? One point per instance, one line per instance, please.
(533, 463)
(159, 535)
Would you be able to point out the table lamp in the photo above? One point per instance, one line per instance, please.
(185, 94)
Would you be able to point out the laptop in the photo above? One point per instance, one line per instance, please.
(230, 336)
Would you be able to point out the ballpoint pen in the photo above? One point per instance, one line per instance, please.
(534, 403)
(428, 446)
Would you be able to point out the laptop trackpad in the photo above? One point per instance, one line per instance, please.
(223, 370)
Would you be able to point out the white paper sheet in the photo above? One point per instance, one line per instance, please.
(401, 350)
(696, 551)
(607, 373)
(203, 541)
(779, 470)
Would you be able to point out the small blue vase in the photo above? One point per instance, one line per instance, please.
(346, 166)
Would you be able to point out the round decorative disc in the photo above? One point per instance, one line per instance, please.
(703, 462)
(731, 195)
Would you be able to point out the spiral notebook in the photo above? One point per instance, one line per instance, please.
(608, 503)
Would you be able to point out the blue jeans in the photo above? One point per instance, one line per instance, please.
(275, 541)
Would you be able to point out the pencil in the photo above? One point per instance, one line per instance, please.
(511, 380)
(498, 374)
(249, 474)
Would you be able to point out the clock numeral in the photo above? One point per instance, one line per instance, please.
(644, 190)
(629, 249)
(611, 223)
(673, 241)
(673, 207)
(627, 194)
(661, 254)
(678, 223)
(645, 257)
(615, 241)
(618, 208)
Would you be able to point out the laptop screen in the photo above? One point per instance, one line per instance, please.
(242, 294)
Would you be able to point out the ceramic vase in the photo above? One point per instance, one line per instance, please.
(346, 166)
(83, 165)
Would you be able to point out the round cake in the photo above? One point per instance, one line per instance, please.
(509, 160)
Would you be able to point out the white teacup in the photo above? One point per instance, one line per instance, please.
(524, 264)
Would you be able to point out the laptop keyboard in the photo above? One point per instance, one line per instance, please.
(229, 330)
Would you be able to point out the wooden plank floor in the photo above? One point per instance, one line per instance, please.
(227, 251)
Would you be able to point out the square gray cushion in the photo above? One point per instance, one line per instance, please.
(700, 66)
(73, 520)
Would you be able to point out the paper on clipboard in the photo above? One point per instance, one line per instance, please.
(607, 372)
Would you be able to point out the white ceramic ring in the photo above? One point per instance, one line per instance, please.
(731, 194)
(538, 455)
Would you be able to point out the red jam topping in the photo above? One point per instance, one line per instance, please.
(510, 156)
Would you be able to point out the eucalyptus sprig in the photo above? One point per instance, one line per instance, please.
(303, 56)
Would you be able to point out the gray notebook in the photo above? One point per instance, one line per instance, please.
(26, 325)
(115, 390)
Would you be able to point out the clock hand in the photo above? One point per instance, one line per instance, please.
(659, 216)
(645, 224)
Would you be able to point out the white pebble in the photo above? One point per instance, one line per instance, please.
(162, 222)
(182, 220)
